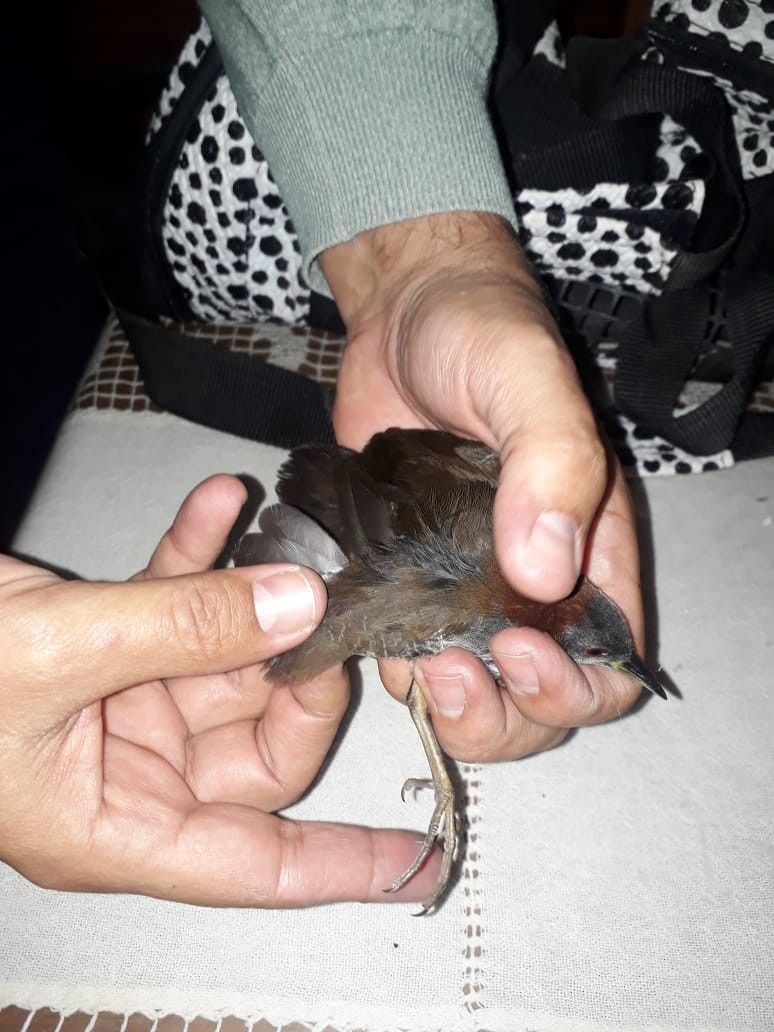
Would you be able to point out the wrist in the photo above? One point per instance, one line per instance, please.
(373, 270)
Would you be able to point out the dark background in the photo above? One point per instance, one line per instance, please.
(79, 82)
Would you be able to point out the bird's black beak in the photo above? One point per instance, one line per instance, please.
(637, 669)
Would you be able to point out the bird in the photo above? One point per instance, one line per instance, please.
(401, 533)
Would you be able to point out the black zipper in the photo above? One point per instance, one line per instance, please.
(708, 55)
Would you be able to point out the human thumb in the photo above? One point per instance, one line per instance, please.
(554, 474)
(68, 644)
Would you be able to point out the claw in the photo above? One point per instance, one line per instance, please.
(415, 785)
(443, 823)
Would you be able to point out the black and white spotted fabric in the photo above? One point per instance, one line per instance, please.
(188, 59)
(746, 26)
(753, 119)
(592, 236)
(587, 236)
(227, 235)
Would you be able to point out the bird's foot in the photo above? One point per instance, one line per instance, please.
(443, 827)
(415, 785)
(443, 823)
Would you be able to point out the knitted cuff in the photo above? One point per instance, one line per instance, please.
(377, 129)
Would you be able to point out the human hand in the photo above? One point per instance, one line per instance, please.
(141, 748)
(446, 328)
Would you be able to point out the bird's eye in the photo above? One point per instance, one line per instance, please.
(596, 652)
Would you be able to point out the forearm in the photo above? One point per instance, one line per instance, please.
(368, 114)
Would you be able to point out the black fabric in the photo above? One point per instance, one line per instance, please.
(553, 143)
(661, 345)
(230, 391)
(520, 26)
(755, 437)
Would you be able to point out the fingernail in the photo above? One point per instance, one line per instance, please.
(448, 693)
(553, 543)
(519, 672)
(284, 602)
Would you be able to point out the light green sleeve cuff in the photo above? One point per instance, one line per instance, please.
(366, 118)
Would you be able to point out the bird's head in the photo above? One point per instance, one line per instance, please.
(598, 634)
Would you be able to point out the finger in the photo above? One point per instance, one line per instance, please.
(475, 721)
(150, 836)
(236, 856)
(271, 762)
(518, 391)
(396, 676)
(200, 529)
(210, 701)
(548, 688)
(76, 642)
(553, 476)
(265, 861)
(167, 716)
(146, 716)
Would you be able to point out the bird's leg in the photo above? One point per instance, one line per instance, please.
(443, 823)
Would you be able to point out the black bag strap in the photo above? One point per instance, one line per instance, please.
(227, 390)
(651, 372)
(598, 122)
(610, 136)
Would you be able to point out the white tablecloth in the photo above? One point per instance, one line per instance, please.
(621, 882)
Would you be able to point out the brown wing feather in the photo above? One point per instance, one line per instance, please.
(307, 481)
(402, 477)
(413, 458)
